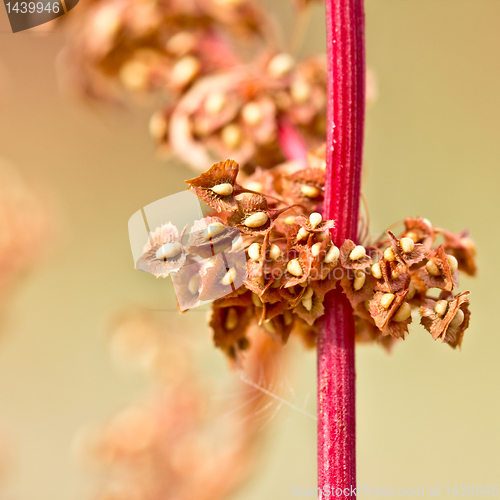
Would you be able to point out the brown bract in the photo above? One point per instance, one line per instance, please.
(463, 248)
(224, 274)
(324, 225)
(421, 229)
(187, 282)
(395, 276)
(313, 313)
(220, 174)
(346, 261)
(383, 316)
(229, 326)
(451, 326)
(252, 210)
(305, 187)
(445, 280)
(417, 255)
(357, 297)
(162, 267)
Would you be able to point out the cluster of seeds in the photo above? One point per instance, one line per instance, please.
(146, 46)
(291, 262)
(227, 86)
(251, 113)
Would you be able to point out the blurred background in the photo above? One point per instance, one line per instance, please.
(426, 415)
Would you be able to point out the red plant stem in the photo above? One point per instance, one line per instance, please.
(345, 119)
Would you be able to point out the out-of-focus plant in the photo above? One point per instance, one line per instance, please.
(25, 228)
(177, 442)
(312, 267)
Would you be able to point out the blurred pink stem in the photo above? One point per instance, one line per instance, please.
(345, 125)
(291, 143)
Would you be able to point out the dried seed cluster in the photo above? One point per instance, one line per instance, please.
(228, 91)
(291, 263)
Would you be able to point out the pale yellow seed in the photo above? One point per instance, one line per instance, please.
(407, 245)
(332, 255)
(280, 65)
(274, 252)
(257, 219)
(300, 91)
(302, 234)
(357, 253)
(389, 255)
(194, 284)
(307, 303)
(413, 236)
(322, 236)
(232, 136)
(252, 113)
(303, 285)
(458, 319)
(185, 70)
(168, 251)
(427, 221)
(291, 289)
(309, 191)
(453, 263)
(293, 267)
(256, 300)
(376, 271)
(386, 300)
(315, 219)
(276, 284)
(213, 230)
(315, 249)
(412, 290)
(254, 251)
(290, 220)
(440, 307)
(404, 312)
(215, 103)
(181, 43)
(432, 268)
(359, 280)
(288, 318)
(231, 319)
(229, 277)
(394, 274)
(308, 293)
(224, 189)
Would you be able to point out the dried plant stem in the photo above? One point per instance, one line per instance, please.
(345, 118)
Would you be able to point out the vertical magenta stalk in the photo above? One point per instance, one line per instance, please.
(345, 118)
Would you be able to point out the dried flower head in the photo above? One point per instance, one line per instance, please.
(286, 262)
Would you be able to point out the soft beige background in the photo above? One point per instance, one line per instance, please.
(426, 414)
